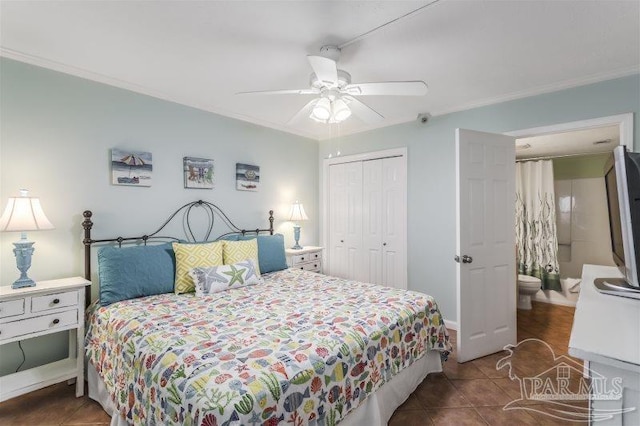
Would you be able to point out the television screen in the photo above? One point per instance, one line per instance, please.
(615, 227)
(622, 180)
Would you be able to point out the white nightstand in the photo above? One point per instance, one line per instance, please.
(49, 307)
(308, 258)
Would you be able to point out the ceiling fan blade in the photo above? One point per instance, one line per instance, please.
(385, 88)
(326, 69)
(282, 92)
(303, 113)
(363, 111)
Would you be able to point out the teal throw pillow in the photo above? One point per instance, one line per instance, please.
(130, 272)
(271, 256)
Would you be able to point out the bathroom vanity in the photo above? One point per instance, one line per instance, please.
(606, 335)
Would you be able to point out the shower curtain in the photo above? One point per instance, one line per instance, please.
(536, 236)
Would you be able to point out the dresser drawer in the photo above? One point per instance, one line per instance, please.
(11, 308)
(36, 324)
(52, 301)
(306, 257)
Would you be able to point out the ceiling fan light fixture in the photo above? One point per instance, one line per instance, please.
(341, 111)
(321, 110)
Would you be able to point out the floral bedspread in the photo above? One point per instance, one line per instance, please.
(302, 348)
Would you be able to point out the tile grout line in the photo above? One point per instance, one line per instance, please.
(64, 422)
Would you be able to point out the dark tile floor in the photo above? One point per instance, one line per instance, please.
(473, 393)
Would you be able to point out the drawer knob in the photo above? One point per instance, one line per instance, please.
(302, 267)
(315, 266)
(302, 258)
(56, 301)
(56, 321)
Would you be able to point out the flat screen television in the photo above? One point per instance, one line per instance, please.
(622, 180)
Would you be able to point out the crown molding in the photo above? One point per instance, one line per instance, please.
(541, 90)
(323, 136)
(143, 90)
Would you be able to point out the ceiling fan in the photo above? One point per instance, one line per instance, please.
(337, 94)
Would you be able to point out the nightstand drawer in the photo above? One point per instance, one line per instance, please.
(52, 301)
(310, 266)
(11, 308)
(306, 257)
(34, 325)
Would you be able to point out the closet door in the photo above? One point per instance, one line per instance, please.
(372, 191)
(394, 222)
(345, 213)
(337, 220)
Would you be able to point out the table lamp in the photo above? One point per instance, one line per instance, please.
(297, 214)
(23, 214)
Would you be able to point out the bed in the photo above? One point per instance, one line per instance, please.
(298, 348)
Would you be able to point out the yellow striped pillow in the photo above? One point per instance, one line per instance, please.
(237, 251)
(189, 256)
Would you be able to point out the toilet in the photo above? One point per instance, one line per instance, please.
(527, 287)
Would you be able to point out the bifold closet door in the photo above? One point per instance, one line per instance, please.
(345, 220)
(394, 222)
(384, 222)
(372, 190)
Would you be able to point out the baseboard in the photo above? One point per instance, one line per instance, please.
(453, 325)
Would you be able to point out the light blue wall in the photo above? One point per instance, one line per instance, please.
(431, 166)
(55, 136)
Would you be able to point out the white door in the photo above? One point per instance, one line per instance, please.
(345, 214)
(394, 222)
(353, 234)
(384, 217)
(337, 220)
(372, 221)
(485, 214)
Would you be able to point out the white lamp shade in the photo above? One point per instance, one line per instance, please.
(24, 214)
(321, 110)
(297, 212)
(340, 110)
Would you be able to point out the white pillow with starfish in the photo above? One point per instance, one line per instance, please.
(220, 278)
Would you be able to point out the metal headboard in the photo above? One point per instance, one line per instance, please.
(212, 210)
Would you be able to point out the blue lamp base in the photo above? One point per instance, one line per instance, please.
(23, 251)
(296, 236)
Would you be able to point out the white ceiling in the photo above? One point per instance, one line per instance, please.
(578, 142)
(200, 53)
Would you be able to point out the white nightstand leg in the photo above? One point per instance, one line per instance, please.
(80, 362)
(73, 349)
(79, 352)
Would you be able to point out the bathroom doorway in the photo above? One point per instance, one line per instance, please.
(578, 152)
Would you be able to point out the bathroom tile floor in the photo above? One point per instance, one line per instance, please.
(473, 393)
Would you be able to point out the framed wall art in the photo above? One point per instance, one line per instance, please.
(247, 177)
(133, 168)
(198, 173)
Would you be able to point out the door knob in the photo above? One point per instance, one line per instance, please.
(467, 259)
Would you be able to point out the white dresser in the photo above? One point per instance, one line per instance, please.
(308, 258)
(606, 334)
(49, 307)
